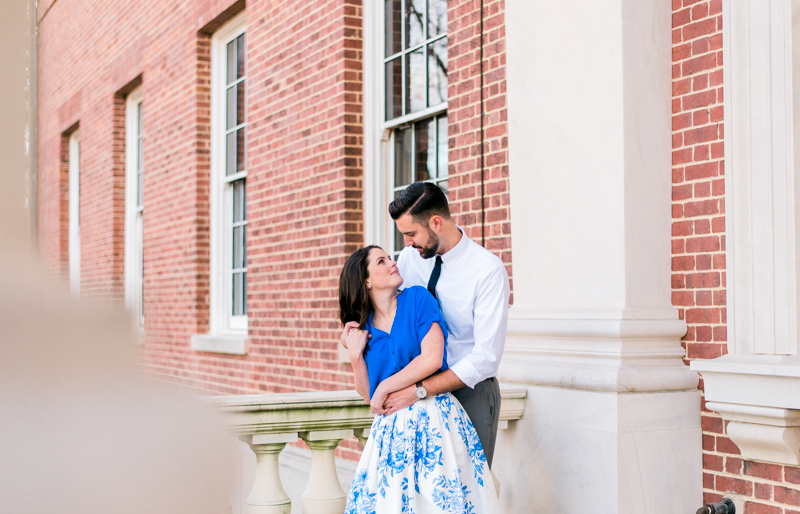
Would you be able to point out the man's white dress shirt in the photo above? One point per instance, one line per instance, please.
(473, 292)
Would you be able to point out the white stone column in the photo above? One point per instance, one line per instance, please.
(756, 386)
(613, 413)
(267, 495)
(324, 494)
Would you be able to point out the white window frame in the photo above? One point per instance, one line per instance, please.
(221, 206)
(74, 229)
(134, 226)
(379, 187)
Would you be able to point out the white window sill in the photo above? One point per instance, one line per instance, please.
(759, 395)
(235, 344)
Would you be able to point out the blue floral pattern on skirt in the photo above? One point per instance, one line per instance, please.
(423, 459)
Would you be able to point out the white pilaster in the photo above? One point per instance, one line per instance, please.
(755, 387)
(592, 330)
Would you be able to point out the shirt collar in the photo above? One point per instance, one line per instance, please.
(451, 256)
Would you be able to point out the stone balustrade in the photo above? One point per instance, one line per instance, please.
(322, 420)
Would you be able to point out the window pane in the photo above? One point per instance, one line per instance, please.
(393, 21)
(230, 107)
(402, 157)
(416, 80)
(238, 261)
(230, 153)
(240, 155)
(244, 293)
(443, 147)
(394, 88)
(426, 149)
(139, 154)
(238, 201)
(240, 103)
(237, 294)
(139, 190)
(437, 17)
(139, 118)
(231, 75)
(437, 68)
(415, 22)
(399, 244)
(240, 57)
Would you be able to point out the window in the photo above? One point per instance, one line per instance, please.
(75, 213)
(415, 95)
(134, 206)
(228, 179)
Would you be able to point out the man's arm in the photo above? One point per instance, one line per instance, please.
(435, 384)
(490, 320)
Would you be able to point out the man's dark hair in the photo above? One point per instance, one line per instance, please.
(421, 200)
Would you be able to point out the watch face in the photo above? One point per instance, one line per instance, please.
(421, 392)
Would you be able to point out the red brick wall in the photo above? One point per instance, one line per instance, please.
(304, 186)
(698, 247)
(464, 109)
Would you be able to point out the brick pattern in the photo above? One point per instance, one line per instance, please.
(304, 188)
(698, 247)
(464, 109)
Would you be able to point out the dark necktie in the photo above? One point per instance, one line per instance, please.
(437, 270)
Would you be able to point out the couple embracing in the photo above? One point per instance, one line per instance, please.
(425, 335)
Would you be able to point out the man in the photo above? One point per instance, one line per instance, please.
(471, 285)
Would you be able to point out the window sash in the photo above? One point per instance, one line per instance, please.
(134, 208)
(228, 314)
(407, 50)
(74, 223)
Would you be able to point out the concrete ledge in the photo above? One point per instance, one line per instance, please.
(252, 414)
(217, 343)
(759, 396)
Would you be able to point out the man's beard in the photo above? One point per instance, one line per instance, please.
(428, 251)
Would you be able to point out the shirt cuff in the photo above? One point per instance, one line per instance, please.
(467, 373)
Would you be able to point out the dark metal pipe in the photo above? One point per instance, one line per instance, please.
(723, 507)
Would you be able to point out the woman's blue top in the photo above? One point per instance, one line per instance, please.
(386, 354)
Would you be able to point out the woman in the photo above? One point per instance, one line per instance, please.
(426, 458)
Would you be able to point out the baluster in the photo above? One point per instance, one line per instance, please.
(268, 496)
(362, 434)
(324, 494)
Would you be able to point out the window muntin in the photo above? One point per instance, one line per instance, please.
(415, 95)
(229, 173)
(134, 208)
(415, 60)
(74, 227)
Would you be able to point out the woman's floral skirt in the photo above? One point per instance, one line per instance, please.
(423, 459)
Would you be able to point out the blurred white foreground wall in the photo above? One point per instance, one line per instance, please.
(80, 429)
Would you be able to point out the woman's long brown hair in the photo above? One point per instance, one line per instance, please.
(354, 302)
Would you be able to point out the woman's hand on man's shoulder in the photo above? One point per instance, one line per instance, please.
(355, 341)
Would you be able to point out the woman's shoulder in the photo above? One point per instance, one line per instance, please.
(418, 297)
(416, 293)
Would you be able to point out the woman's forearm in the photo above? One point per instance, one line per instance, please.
(423, 366)
(420, 368)
(361, 376)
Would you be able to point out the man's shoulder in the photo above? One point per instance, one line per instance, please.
(486, 260)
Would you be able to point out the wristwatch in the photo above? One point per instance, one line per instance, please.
(421, 392)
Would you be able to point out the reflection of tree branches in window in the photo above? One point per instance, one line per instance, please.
(442, 65)
(417, 15)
